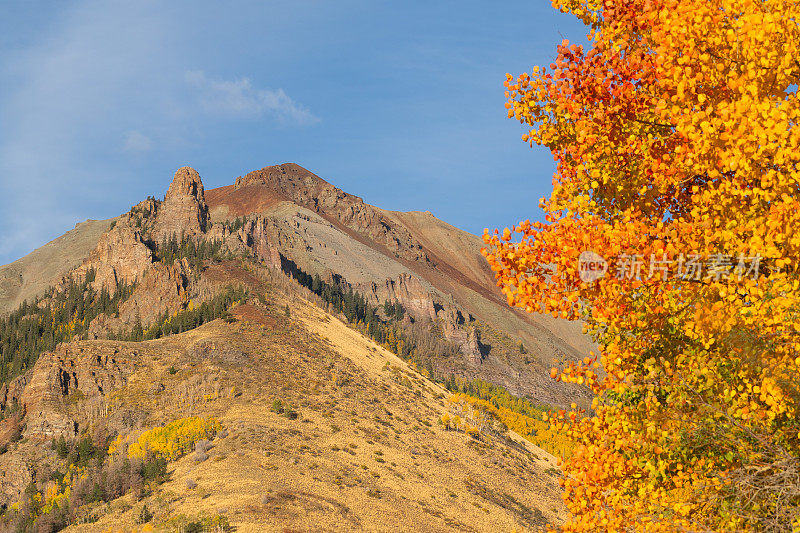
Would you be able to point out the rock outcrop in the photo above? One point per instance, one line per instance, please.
(161, 288)
(261, 235)
(90, 374)
(472, 349)
(124, 252)
(417, 298)
(15, 474)
(11, 392)
(184, 210)
(120, 257)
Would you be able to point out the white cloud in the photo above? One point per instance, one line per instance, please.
(137, 142)
(238, 98)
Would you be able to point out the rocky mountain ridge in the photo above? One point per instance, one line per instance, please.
(295, 221)
(308, 190)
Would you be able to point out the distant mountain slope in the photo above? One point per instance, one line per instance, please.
(293, 220)
(456, 247)
(28, 277)
(434, 269)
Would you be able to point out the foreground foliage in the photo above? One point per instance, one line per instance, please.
(675, 135)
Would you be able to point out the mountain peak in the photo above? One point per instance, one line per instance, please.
(293, 183)
(187, 182)
(184, 209)
(289, 179)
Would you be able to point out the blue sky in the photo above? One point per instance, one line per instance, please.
(400, 103)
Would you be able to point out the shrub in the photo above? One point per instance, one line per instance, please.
(144, 515)
(173, 440)
(154, 468)
(61, 447)
(290, 413)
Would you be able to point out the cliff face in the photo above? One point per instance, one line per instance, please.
(126, 251)
(417, 297)
(86, 372)
(127, 254)
(68, 391)
(161, 288)
(120, 257)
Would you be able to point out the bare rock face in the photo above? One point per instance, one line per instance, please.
(417, 299)
(184, 210)
(161, 288)
(15, 475)
(71, 372)
(123, 254)
(259, 235)
(12, 392)
(120, 256)
(472, 349)
(466, 338)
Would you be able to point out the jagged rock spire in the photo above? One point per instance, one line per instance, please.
(184, 210)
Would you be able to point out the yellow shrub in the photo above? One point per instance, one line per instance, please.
(173, 440)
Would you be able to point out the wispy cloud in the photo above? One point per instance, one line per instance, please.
(238, 98)
(137, 142)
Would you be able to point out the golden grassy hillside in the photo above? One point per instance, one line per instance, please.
(365, 451)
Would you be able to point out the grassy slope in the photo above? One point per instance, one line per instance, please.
(361, 454)
(29, 276)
